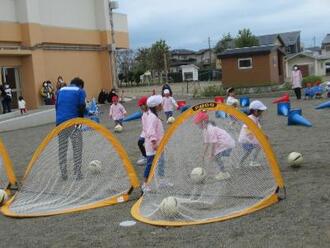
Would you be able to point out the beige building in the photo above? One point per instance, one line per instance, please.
(42, 39)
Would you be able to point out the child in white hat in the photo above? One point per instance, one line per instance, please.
(168, 104)
(153, 132)
(246, 138)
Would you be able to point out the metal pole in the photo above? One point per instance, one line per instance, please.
(113, 50)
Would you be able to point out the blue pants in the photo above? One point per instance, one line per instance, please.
(169, 114)
(160, 166)
(248, 148)
(119, 122)
(219, 156)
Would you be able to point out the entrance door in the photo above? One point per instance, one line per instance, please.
(304, 70)
(10, 75)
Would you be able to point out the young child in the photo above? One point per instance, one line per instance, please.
(142, 103)
(168, 104)
(153, 131)
(217, 140)
(22, 105)
(246, 138)
(232, 101)
(117, 111)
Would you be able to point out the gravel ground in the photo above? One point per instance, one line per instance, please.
(302, 220)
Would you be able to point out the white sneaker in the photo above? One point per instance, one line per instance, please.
(141, 161)
(163, 183)
(145, 188)
(222, 176)
(254, 164)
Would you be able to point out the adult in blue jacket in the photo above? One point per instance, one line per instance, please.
(70, 104)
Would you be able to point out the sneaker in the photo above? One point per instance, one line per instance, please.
(163, 183)
(222, 176)
(142, 161)
(254, 164)
(145, 188)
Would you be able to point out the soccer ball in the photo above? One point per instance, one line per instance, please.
(198, 175)
(3, 197)
(295, 159)
(169, 206)
(118, 129)
(95, 167)
(170, 120)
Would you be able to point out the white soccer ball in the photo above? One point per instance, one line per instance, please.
(118, 129)
(95, 167)
(3, 197)
(198, 175)
(169, 206)
(295, 159)
(170, 120)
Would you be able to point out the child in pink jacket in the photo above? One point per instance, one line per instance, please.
(117, 111)
(217, 140)
(168, 104)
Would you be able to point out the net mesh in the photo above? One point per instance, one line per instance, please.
(3, 176)
(245, 180)
(63, 178)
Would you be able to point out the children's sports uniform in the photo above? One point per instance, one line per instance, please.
(168, 105)
(117, 112)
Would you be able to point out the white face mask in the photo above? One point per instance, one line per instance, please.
(296, 68)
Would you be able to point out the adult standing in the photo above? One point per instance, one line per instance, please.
(60, 83)
(166, 86)
(296, 77)
(6, 102)
(2, 96)
(70, 104)
(46, 92)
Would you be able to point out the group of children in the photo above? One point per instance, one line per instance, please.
(218, 142)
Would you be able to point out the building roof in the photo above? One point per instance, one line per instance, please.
(182, 52)
(267, 39)
(326, 40)
(247, 51)
(288, 38)
(190, 66)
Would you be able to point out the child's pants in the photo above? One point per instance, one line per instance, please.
(141, 146)
(160, 166)
(219, 156)
(119, 122)
(168, 114)
(248, 148)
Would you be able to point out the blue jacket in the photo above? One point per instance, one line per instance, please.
(70, 103)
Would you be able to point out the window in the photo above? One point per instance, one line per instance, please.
(245, 63)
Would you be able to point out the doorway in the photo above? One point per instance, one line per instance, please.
(10, 75)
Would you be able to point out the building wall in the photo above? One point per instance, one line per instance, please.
(315, 68)
(53, 38)
(260, 74)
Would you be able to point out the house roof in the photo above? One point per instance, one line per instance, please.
(190, 66)
(313, 49)
(247, 51)
(267, 39)
(182, 52)
(288, 38)
(326, 40)
(302, 54)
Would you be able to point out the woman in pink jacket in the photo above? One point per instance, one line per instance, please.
(296, 77)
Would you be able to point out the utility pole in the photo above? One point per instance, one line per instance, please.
(165, 67)
(314, 41)
(210, 57)
(113, 5)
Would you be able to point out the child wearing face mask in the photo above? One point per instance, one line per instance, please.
(296, 78)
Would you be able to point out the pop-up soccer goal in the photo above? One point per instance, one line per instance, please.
(7, 175)
(79, 166)
(185, 188)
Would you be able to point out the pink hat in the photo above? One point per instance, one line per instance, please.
(201, 116)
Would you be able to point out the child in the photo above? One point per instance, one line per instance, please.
(117, 111)
(217, 140)
(246, 138)
(232, 101)
(168, 104)
(153, 131)
(22, 105)
(142, 103)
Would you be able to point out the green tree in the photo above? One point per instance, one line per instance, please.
(224, 43)
(160, 58)
(245, 38)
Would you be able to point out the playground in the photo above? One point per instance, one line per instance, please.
(300, 220)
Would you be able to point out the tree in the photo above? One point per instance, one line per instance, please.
(160, 58)
(125, 62)
(224, 43)
(245, 38)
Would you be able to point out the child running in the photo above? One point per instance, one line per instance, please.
(22, 105)
(117, 111)
(142, 103)
(153, 131)
(168, 104)
(246, 138)
(217, 140)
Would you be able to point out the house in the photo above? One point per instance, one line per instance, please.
(37, 44)
(312, 61)
(291, 41)
(253, 66)
(189, 72)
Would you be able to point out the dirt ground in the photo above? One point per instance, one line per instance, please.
(301, 220)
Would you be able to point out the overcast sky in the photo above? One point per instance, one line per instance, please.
(189, 23)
